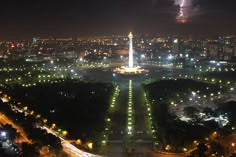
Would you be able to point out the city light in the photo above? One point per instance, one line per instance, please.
(90, 145)
(147, 91)
(3, 134)
(170, 57)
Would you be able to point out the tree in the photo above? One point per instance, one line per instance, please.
(202, 148)
(233, 155)
(217, 148)
(190, 111)
(209, 111)
(54, 142)
(29, 150)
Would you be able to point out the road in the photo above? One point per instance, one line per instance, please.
(5, 120)
(69, 148)
(161, 154)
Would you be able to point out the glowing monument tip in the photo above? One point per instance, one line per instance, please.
(130, 35)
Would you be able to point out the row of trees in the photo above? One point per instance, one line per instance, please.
(168, 90)
(224, 75)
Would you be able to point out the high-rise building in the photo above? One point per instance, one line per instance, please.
(175, 48)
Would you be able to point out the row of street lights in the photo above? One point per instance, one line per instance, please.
(150, 126)
(110, 111)
(130, 121)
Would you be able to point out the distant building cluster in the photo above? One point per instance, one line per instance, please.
(147, 47)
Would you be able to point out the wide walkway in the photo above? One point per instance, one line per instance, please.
(140, 143)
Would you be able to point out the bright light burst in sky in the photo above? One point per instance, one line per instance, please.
(182, 3)
(183, 15)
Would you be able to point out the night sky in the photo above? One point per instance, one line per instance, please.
(28, 18)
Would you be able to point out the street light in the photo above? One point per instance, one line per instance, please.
(3, 134)
(170, 57)
(90, 145)
(232, 144)
(194, 93)
(64, 133)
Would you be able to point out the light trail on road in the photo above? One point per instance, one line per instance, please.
(70, 148)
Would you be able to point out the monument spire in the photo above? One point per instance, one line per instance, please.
(130, 69)
(131, 62)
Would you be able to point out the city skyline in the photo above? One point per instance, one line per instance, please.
(118, 78)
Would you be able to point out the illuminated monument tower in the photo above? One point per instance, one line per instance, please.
(130, 69)
(131, 58)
